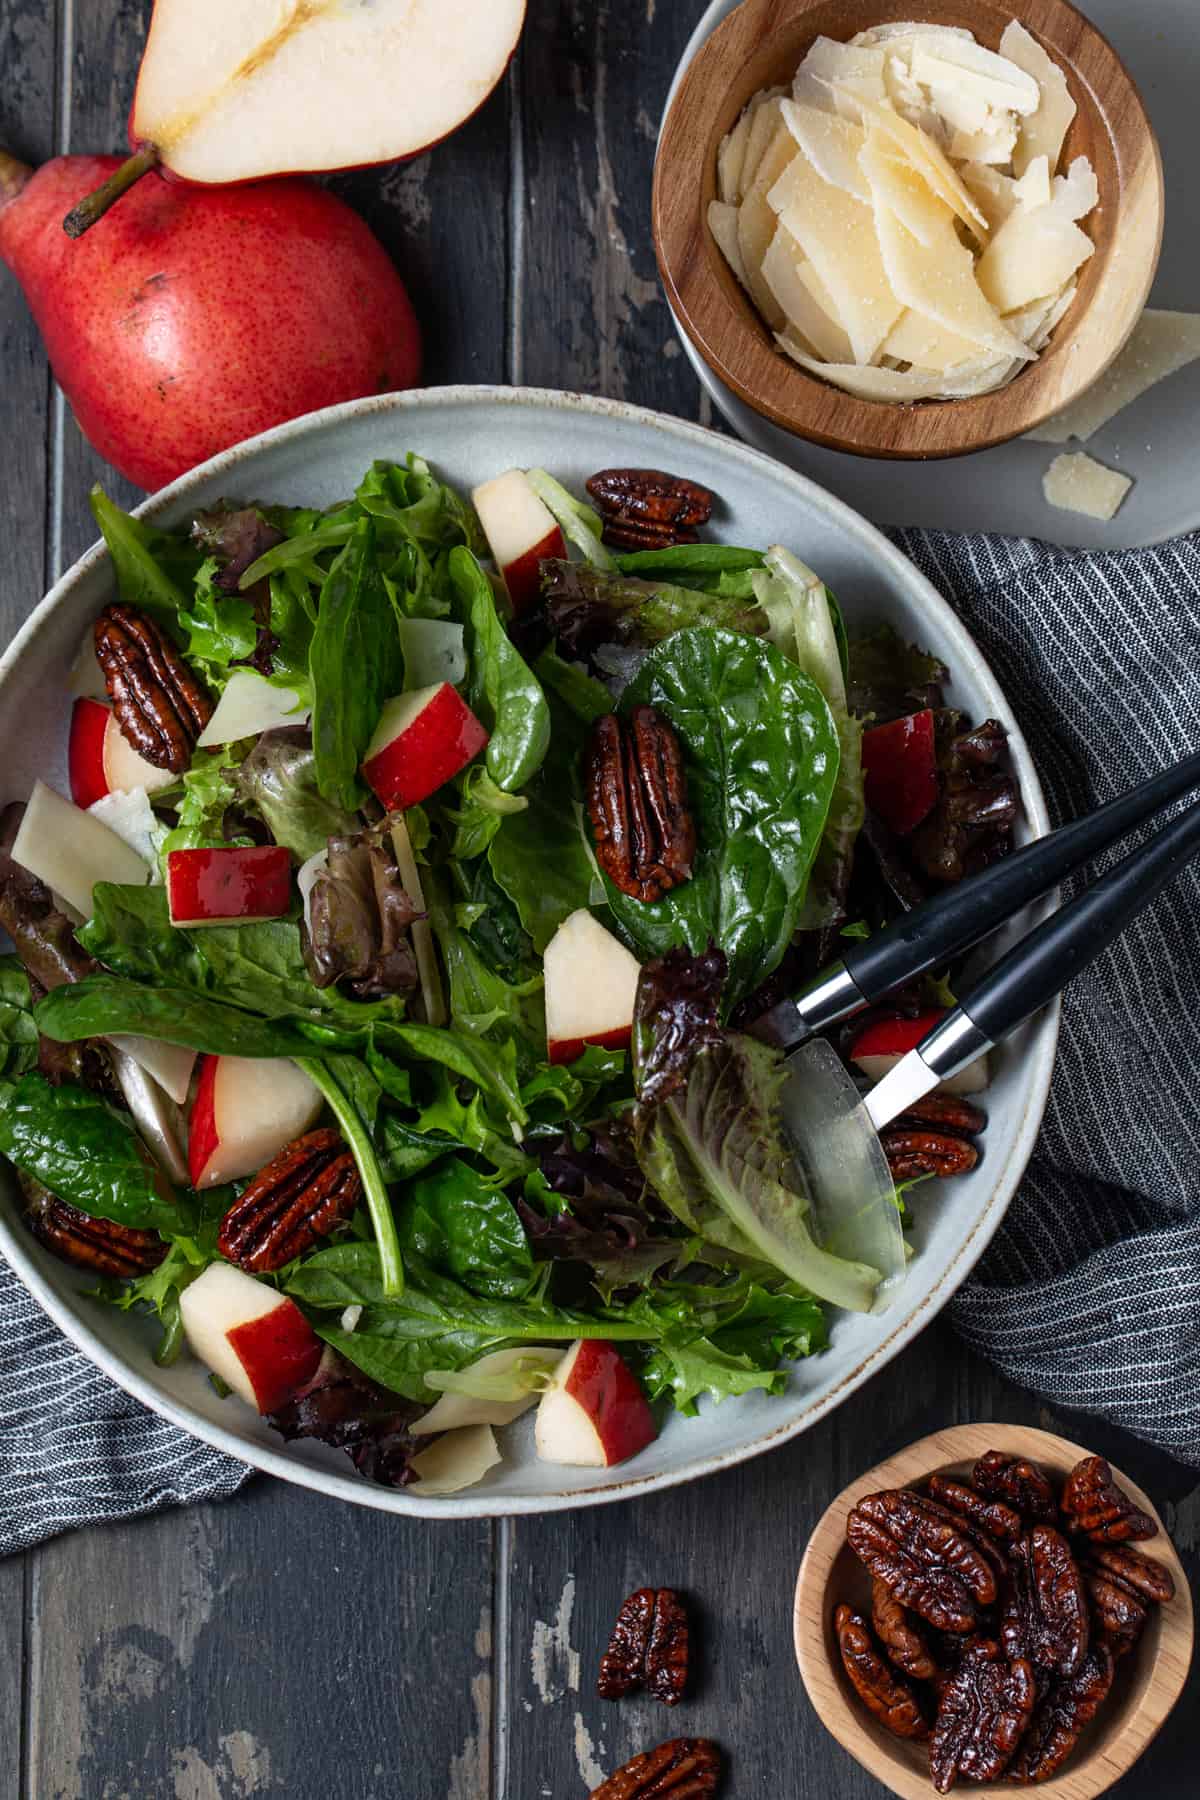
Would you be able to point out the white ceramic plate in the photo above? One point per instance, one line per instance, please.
(470, 433)
(1155, 440)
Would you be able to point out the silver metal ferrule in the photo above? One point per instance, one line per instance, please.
(832, 996)
(945, 1050)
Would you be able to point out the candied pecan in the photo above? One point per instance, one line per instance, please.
(924, 1554)
(647, 509)
(159, 705)
(648, 1648)
(96, 1244)
(992, 1517)
(912, 1154)
(1119, 1613)
(1060, 1717)
(1046, 1604)
(945, 1112)
(884, 1693)
(982, 1711)
(1141, 1574)
(682, 1768)
(302, 1194)
(1094, 1505)
(1020, 1484)
(637, 802)
(901, 1635)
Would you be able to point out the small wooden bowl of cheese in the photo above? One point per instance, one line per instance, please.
(907, 228)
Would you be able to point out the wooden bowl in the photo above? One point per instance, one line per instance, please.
(760, 44)
(1149, 1679)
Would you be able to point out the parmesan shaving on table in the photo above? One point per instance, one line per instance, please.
(1079, 484)
(900, 220)
(1161, 344)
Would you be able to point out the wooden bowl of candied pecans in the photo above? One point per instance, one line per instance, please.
(1143, 1636)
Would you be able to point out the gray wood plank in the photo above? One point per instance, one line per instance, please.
(278, 1643)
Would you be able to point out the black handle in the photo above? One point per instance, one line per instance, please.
(1042, 964)
(942, 928)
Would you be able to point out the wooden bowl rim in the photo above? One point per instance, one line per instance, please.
(1161, 1684)
(719, 319)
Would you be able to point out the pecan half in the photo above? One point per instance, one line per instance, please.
(945, 1112)
(1141, 1574)
(900, 1634)
(982, 1712)
(884, 1693)
(925, 1555)
(683, 1768)
(1020, 1484)
(648, 1648)
(637, 803)
(1094, 1505)
(1046, 1604)
(1120, 1615)
(914, 1153)
(647, 509)
(301, 1195)
(160, 706)
(994, 1517)
(1059, 1719)
(87, 1243)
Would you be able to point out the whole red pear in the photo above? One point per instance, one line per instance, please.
(190, 318)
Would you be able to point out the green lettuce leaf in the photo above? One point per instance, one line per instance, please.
(503, 691)
(355, 665)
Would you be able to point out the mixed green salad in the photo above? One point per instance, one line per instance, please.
(490, 1195)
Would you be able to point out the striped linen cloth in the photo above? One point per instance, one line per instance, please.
(1090, 1291)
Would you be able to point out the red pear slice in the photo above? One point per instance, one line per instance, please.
(237, 89)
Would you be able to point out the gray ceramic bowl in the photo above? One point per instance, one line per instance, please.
(470, 433)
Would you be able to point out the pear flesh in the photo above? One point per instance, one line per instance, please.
(238, 89)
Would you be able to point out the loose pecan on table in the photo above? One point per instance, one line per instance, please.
(925, 1555)
(647, 509)
(882, 1691)
(1094, 1505)
(1060, 1717)
(982, 1712)
(302, 1194)
(900, 1633)
(648, 1648)
(1020, 1484)
(97, 1244)
(682, 1769)
(637, 802)
(159, 705)
(994, 1517)
(1046, 1604)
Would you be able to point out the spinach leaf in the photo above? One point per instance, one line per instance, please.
(478, 819)
(761, 752)
(540, 857)
(484, 1064)
(153, 569)
(354, 666)
(75, 1144)
(689, 563)
(504, 693)
(342, 1090)
(460, 1224)
(103, 1005)
(483, 1002)
(18, 1033)
(130, 932)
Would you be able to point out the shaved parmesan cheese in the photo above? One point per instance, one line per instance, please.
(929, 162)
(456, 1460)
(993, 145)
(1077, 483)
(1077, 192)
(731, 159)
(1162, 343)
(896, 384)
(763, 127)
(1042, 335)
(996, 193)
(1033, 254)
(723, 223)
(895, 184)
(886, 34)
(1042, 132)
(831, 144)
(837, 235)
(1033, 189)
(975, 73)
(784, 271)
(916, 339)
(756, 221)
(938, 280)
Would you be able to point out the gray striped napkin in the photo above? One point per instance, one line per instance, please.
(1090, 1291)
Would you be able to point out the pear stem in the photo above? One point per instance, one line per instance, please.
(94, 206)
(13, 176)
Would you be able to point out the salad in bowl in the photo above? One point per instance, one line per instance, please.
(379, 1017)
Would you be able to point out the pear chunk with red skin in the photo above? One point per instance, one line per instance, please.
(246, 1109)
(241, 884)
(421, 741)
(595, 1413)
(256, 1340)
(101, 760)
(237, 89)
(521, 532)
(880, 1046)
(591, 984)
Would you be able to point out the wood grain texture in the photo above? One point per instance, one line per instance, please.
(761, 44)
(1149, 1680)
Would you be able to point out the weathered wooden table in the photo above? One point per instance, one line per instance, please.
(287, 1644)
